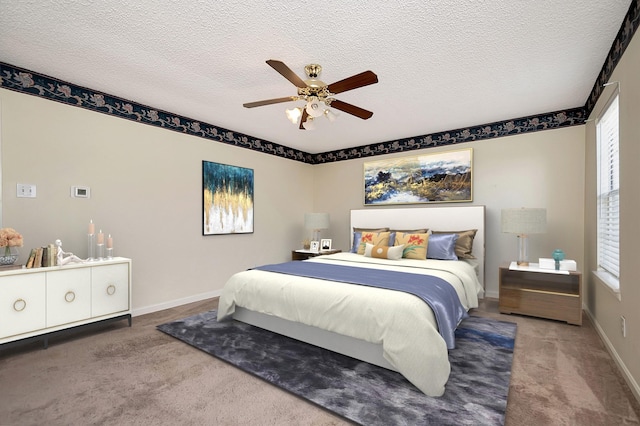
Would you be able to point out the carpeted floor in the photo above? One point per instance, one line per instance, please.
(476, 392)
(119, 375)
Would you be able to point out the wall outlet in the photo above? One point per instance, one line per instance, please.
(623, 326)
(25, 190)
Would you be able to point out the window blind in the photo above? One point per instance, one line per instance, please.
(609, 190)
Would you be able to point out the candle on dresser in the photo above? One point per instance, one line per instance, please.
(109, 247)
(100, 246)
(91, 241)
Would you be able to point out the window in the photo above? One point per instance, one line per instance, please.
(608, 159)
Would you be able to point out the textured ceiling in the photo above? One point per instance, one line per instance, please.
(441, 65)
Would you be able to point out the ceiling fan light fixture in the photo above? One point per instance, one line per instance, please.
(309, 124)
(314, 107)
(294, 114)
(317, 95)
(331, 116)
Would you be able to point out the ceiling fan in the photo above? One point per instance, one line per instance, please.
(315, 92)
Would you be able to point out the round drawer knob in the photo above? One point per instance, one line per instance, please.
(70, 296)
(111, 289)
(19, 305)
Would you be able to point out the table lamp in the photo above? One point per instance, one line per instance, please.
(524, 221)
(316, 222)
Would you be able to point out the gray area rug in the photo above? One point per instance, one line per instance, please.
(476, 393)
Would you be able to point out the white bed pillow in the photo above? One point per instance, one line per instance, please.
(383, 252)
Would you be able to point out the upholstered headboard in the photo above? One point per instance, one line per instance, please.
(455, 218)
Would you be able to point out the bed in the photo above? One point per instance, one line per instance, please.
(385, 327)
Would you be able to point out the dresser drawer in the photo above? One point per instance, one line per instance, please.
(68, 296)
(109, 289)
(22, 304)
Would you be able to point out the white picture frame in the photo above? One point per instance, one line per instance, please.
(325, 244)
(315, 246)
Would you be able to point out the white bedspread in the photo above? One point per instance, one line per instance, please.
(401, 322)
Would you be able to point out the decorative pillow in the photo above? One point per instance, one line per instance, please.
(464, 244)
(392, 235)
(442, 246)
(370, 229)
(357, 235)
(356, 242)
(383, 252)
(375, 238)
(415, 245)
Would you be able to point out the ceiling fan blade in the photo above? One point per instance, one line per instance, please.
(286, 72)
(304, 117)
(269, 102)
(359, 80)
(351, 109)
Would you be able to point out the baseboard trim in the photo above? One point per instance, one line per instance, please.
(173, 303)
(633, 385)
(491, 295)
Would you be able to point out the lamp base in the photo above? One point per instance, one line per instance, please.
(523, 250)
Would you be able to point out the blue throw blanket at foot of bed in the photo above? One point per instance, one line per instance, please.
(436, 292)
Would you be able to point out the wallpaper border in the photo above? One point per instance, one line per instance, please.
(32, 83)
(627, 30)
(534, 123)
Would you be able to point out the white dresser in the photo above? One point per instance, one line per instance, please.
(41, 302)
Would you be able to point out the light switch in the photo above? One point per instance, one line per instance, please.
(26, 190)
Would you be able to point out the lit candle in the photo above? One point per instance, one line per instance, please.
(92, 227)
(109, 242)
(100, 237)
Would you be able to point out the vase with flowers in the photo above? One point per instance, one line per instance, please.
(10, 240)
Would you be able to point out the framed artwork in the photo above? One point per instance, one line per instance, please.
(325, 244)
(443, 177)
(227, 199)
(315, 246)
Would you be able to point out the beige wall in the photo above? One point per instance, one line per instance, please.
(146, 191)
(542, 169)
(604, 306)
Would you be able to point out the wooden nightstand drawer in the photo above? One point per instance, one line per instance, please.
(557, 306)
(541, 294)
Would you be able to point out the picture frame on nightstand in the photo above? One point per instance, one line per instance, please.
(315, 246)
(325, 244)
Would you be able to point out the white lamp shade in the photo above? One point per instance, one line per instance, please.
(293, 114)
(330, 115)
(314, 107)
(309, 124)
(524, 221)
(316, 220)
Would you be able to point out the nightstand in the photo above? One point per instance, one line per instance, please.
(306, 254)
(541, 293)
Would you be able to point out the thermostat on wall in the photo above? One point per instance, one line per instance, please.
(80, 192)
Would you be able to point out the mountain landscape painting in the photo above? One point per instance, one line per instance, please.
(442, 177)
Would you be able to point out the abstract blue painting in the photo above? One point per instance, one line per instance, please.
(227, 199)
